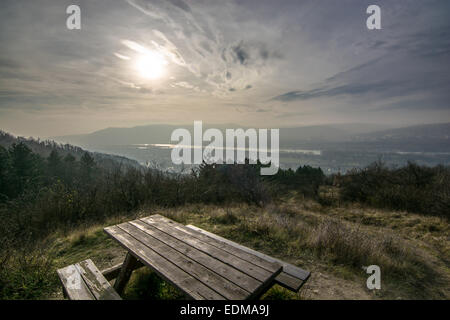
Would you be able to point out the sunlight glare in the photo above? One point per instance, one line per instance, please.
(151, 65)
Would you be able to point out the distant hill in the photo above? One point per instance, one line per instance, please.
(122, 136)
(151, 134)
(420, 138)
(440, 131)
(43, 148)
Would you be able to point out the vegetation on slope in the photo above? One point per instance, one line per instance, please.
(411, 188)
(53, 210)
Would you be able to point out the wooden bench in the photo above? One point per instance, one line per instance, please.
(292, 277)
(84, 281)
(203, 268)
(201, 264)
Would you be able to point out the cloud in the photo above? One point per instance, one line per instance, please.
(240, 54)
(400, 69)
(246, 53)
(299, 60)
(180, 4)
(120, 56)
(195, 42)
(348, 89)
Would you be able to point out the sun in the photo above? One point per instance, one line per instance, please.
(151, 65)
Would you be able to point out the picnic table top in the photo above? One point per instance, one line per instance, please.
(199, 265)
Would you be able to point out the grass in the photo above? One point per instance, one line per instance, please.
(334, 242)
(27, 275)
(147, 285)
(299, 232)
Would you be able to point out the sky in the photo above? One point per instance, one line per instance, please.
(260, 63)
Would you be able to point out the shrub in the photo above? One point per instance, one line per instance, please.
(305, 180)
(411, 188)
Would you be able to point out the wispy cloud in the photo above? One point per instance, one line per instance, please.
(198, 45)
(254, 62)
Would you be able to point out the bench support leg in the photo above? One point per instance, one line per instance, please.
(258, 295)
(125, 273)
(65, 295)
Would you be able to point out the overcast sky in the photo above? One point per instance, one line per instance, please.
(260, 63)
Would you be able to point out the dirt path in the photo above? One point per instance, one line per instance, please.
(325, 286)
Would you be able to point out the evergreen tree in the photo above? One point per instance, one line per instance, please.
(4, 173)
(87, 163)
(26, 169)
(54, 164)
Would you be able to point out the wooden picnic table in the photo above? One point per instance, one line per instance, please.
(202, 267)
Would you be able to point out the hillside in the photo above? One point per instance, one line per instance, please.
(423, 138)
(440, 131)
(53, 210)
(355, 137)
(161, 134)
(44, 148)
(333, 243)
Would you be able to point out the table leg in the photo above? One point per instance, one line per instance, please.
(258, 295)
(125, 272)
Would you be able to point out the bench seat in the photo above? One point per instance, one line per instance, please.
(292, 277)
(84, 281)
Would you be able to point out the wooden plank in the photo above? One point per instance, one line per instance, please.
(208, 277)
(290, 269)
(112, 272)
(217, 253)
(271, 266)
(124, 275)
(232, 274)
(289, 282)
(98, 285)
(193, 288)
(74, 286)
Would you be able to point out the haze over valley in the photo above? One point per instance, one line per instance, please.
(334, 148)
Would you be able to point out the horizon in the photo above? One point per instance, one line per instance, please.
(251, 63)
(382, 127)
